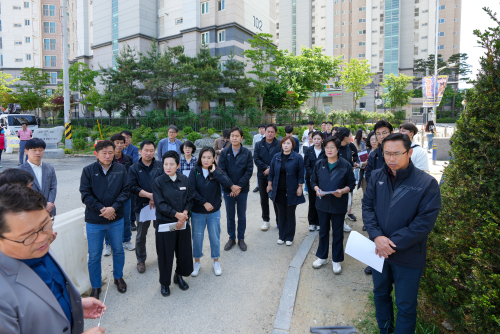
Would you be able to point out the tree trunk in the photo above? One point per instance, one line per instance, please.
(261, 101)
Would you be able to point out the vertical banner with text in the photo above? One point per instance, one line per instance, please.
(433, 90)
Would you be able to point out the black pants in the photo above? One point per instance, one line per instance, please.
(132, 205)
(286, 221)
(312, 214)
(168, 244)
(337, 221)
(264, 200)
(140, 239)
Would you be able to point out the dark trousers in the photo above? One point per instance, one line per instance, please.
(132, 205)
(176, 243)
(406, 281)
(236, 204)
(264, 200)
(312, 214)
(337, 223)
(286, 221)
(140, 239)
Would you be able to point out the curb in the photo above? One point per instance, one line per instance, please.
(284, 314)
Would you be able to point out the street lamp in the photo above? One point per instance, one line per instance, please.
(436, 72)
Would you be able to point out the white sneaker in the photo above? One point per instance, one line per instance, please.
(128, 246)
(305, 193)
(280, 242)
(107, 250)
(317, 228)
(289, 243)
(337, 269)
(347, 228)
(265, 226)
(319, 263)
(217, 269)
(312, 228)
(196, 269)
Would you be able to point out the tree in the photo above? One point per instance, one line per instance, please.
(81, 80)
(174, 62)
(5, 86)
(291, 73)
(261, 55)
(421, 65)
(235, 79)
(275, 96)
(93, 100)
(462, 278)
(155, 65)
(460, 72)
(355, 76)
(397, 95)
(32, 93)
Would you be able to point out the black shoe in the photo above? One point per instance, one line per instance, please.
(180, 282)
(256, 190)
(133, 227)
(165, 291)
(229, 244)
(368, 270)
(364, 228)
(352, 217)
(95, 293)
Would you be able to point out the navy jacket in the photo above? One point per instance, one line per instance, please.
(338, 178)
(99, 191)
(297, 145)
(349, 153)
(263, 156)
(127, 161)
(133, 151)
(171, 197)
(310, 160)
(141, 178)
(404, 211)
(294, 177)
(375, 161)
(208, 189)
(239, 168)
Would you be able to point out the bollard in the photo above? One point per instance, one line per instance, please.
(434, 154)
(445, 132)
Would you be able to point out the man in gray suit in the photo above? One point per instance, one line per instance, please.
(45, 180)
(36, 295)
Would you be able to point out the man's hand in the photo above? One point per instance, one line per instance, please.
(181, 217)
(338, 193)
(92, 308)
(49, 207)
(95, 330)
(236, 190)
(179, 225)
(208, 206)
(356, 165)
(299, 190)
(266, 172)
(383, 246)
(151, 204)
(317, 190)
(269, 188)
(108, 213)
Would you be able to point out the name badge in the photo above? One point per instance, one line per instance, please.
(182, 188)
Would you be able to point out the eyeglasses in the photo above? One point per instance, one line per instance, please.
(32, 237)
(394, 155)
(379, 134)
(37, 150)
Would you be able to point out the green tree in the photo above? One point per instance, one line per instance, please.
(397, 95)
(458, 73)
(155, 66)
(235, 79)
(261, 55)
(275, 96)
(5, 84)
(93, 99)
(32, 94)
(355, 76)
(81, 80)
(422, 64)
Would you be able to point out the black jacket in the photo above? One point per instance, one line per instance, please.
(404, 211)
(294, 177)
(171, 197)
(208, 189)
(263, 156)
(349, 152)
(310, 160)
(339, 177)
(375, 161)
(141, 178)
(127, 161)
(99, 190)
(239, 168)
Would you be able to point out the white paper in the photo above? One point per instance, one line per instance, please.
(321, 192)
(170, 227)
(363, 249)
(186, 172)
(147, 214)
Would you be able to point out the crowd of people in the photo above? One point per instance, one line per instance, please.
(185, 193)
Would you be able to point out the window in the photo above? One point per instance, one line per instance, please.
(415, 25)
(49, 44)
(374, 7)
(423, 50)
(336, 24)
(28, 56)
(456, 6)
(336, 46)
(362, 20)
(381, 29)
(19, 60)
(374, 43)
(0, 25)
(373, 67)
(343, 12)
(49, 27)
(91, 23)
(53, 77)
(50, 92)
(17, 25)
(424, 24)
(323, 28)
(221, 5)
(362, 9)
(343, 34)
(314, 40)
(221, 35)
(424, 37)
(425, 11)
(361, 32)
(16, 7)
(381, 17)
(442, 7)
(375, 19)
(205, 37)
(342, 46)
(374, 31)
(441, 34)
(441, 47)
(415, 50)
(454, 33)
(343, 23)
(26, 22)
(416, 12)
(222, 65)
(178, 21)
(50, 61)
(454, 46)
(361, 55)
(336, 34)
(336, 12)
(374, 55)
(277, 26)
(441, 20)
(416, 1)
(362, 43)
(204, 7)
(26, 4)
(456, 19)
(48, 10)
(18, 42)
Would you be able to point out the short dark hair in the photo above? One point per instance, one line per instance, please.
(288, 129)
(310, 123)
(188, 143)
(147, 142)
(117, 137)
(337, 142)
(398, 137)
(236, 129)
(383, 124)
(324, 122)
(342, 132)
(126, 133)
(329, 123)
(171, 154)
(225, 133)
(288, 137)
(368, 138)
(203, 150)
(35, 143)
(16, 198)
(272, 125)
(16, 176)
(261, 126)
(319, 133)
(102, 144)
(173, 127)
(410, 127)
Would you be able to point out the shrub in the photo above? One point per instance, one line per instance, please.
(79, 144)
(211, 131)
(67, 151)
(281, 131)
(203, 130)
(446, 120)
(247, 136)
(194, 136)
(187, 130)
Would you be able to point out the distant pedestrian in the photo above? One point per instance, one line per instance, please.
(257, 138)
(3, 145)
(371, 143)
(307, 144)
(329, 130)
(306, 133)
(323, 127)
(221, 143)
(285, 182)
(171, 143)
(188, 161)
(419, 157)
(133, 151)
(289, 132)
(24, 135)
(376, 159)
(430, 130)
(312, 155)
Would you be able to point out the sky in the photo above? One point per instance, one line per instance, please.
(473, 17)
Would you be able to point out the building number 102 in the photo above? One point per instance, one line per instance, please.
(257, 23)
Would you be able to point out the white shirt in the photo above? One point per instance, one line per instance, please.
(305, 136)
(205, 172)
(38, 172)
(257, 138)
(317, 152)
(419, 158)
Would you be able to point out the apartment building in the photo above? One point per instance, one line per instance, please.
(30, 36)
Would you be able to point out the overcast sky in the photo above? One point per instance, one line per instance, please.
(473, 17)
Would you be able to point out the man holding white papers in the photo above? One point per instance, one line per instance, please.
(400, 207)
(142, 175)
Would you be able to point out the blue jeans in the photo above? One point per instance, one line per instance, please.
(356, 174)
(22, 143)
(406, 281)
(430, 139)
(240, 202)
(198, 223)
(95, 237)
(127, 232)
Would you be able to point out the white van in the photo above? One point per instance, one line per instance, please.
(13, 122)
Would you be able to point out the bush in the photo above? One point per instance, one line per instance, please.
(281, 131)
(211, 131)
(203, 131)
(446, 120)
(187, 130)
(194, 136)
(67, 151)
(79, 144)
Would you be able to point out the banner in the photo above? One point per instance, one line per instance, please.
(326, 94)
(433, 91)
(12, 141)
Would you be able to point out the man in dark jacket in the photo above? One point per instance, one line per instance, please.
(263, 153)
(289, 132)
(400, 208)
(133, 151)
(376, 159)
(105, 188)
(142, 174)
(236, 162)
(349, 152)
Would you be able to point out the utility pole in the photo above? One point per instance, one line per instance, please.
(68, 143)
(436, 58)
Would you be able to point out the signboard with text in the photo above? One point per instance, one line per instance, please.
(327, 94)
(433, 90)
(257, 17)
